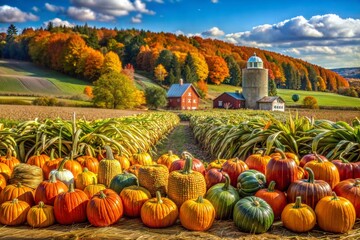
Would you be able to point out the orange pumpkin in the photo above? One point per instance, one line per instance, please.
(2, 182)
(18, 191)
(13, 212)
(350, 189)
(51, 164)
(258, 161)
(124, 161)
(41, 215)
(10, 160)
(133, 197)
(5, 171)
(167, 158)
(48, 190)
(288, 155)
(38, 160)
(234, 167)
(89, 161)
(73, 166)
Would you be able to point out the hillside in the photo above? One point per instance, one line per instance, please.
(348, 72)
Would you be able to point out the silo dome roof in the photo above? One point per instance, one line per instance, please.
(254, 58)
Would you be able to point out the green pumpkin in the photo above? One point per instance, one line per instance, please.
(249, 182)
(121, 181)
(223, 197)
(253, 215)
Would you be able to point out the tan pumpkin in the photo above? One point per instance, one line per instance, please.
(10, 160)
(28, 175)
(133, 198)
(167, 158)
(197, 214)
(18, 191)
(85, 178)
(13, 212)
(93, 188)
(41, 215)
(154, 178)
(108, 168)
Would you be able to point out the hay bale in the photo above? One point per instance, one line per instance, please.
(28, 175)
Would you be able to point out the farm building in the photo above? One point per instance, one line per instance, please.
(234, 100)
(274, 103)
(183, 96)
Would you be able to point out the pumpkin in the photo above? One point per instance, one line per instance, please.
(123, 180)
(253, 215)
(38, 160)
(298, 217)
(302, 174)
(104, 208)
(10, 160)
(197, 214)
(216, 164)
(108, 168)
(5, 171)
(223, 197)
(133, 198)
(356, 169)
(85, 178)
(41, 215)
(282, 170)
(154, 178)
(159, 212)
(249, 182)
(288, 155)
(47, 191)
(28, 175)
(134, 169)
(167, 158)
(13, 212)
(142, 158)
(179, 164)
(93, 188)
(73, 166)
(310, 190)
(70, 206)
(258, 161)
(2, 182)
(50, 165)
(324, 170)
(234, 167)
(350, 189)
(311, 157)
(185, 184)
(214, 176)
(335, 214)
(18, 191)
(275, 198)
(345, 168)
(89, 162)
(63, 174)
(124, 161)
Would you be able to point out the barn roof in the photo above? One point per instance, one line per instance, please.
(236, 95)
(270, 99)
(177, 90)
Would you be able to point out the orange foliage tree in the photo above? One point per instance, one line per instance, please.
(218, 69)
(88, 91)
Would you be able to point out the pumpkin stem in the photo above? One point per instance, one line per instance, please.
(297, 202)
(41, 204)
(85, 169)
(236, 160)
(278, 150)
(335, 197)
(93, 180)
(188, 165)
(256, 203)
(343, 160)
(319, 159)
(52, 178)
(109, 153)
(71, 188)
(102, 195)
(15, 201)
(158, 197)
(357, 182)
(62, 163)
(170, 153)
(311, 175)
(200, 199)
(271, 187)
(18, 185)
(227, 182)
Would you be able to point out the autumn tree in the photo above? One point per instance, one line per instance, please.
(115, 90)
(321, 86)
(235, 77)
(310, 102)
(88, 91)
(218, 69)
(112, 63)
(155, 97)
(160, 73)
(129, 71)
(73, 49)
(201, 67)
(93, 65)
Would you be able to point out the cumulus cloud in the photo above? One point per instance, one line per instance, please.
(137, 18)
(35, 9)
(81, 14)
(10, 14)
(58, 22)
(213, 32)
(54, 8)
(157, 1)
(214, 1)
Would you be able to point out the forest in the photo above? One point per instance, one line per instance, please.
(82, 52)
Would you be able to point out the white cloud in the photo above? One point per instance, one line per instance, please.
(81, 14)
(58, 22)
(157, 1)
(179, 32)
(35, 9)
(10, 14)
(214, 1)
(137, 18)
(54, 8)
(213, 32)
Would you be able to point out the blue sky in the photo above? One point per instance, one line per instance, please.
(323, 32)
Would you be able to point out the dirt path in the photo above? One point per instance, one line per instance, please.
(179, 140)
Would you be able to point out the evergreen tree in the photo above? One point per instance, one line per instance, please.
(92, 39)
(312, 77)
(165, 59)
(155, 97)
(132, 50)
(171, 79)
(189, 71)
(272, 88)
(235, 78)
(11, 33)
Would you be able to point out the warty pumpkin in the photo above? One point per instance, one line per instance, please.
(167, 158)
(63, 174)
(234, 167)
(249, 182)
(18, 191)
(197, 214)
(335, 214)
(48, 190)
(298, 217)
(9, 159)
(85, 178)
(159, 212)
(104, 208)
(310, 190)
(223, 197)
(258, 161)
(41, 215)
(108, 168)
(275, 198)
(123, 180)
(185, 184)
(154, 178)
(350, 189)
(70, 206)
(133, 197)
(13, 212)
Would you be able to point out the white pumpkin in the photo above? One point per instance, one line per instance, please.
(63, 174)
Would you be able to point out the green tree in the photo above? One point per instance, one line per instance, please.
(132, 49)
(155, 97)
(11, 33)
(115, 90)
(310, 102)
(312, 77)
(165, 59)
(295, 97)
(272, 88)
(189, 70)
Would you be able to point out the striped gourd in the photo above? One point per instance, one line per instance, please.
(154, 178)
(186, 184)
(108, 168)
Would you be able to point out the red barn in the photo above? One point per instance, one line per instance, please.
(183, 96)
(233, 100)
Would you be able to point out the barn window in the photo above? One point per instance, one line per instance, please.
(220, 103)
(194, 101)
(189, 94)
(189, 100)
